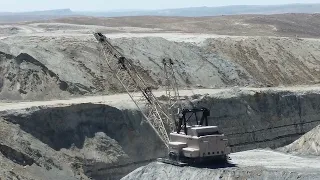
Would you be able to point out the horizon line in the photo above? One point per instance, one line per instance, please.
(131, 10)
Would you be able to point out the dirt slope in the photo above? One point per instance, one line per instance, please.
(77, 61)
(23, 77)
(23, 156)
(71, 54)
(308, 144)
(274, 61)
(65, 64)
(255, 164)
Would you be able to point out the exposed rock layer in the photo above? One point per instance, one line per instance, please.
(62, 67)
(101, 141)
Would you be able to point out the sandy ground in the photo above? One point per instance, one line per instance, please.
(62, 29)
(281, 25)
(254, 164)
(276, 161)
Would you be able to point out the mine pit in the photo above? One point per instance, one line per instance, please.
(106, 141)
(65, 113)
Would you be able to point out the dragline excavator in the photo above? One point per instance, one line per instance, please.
(186, 133)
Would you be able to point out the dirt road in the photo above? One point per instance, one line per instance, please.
(118, 99)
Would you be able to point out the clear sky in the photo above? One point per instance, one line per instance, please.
(107, 5)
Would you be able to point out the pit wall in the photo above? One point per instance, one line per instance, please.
(264, 119)
(106, 142)
(114, 142)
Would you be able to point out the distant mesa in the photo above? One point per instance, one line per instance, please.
(186, 12)
(55, 12)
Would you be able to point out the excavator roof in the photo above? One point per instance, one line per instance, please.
(204, 130)
(205, 127)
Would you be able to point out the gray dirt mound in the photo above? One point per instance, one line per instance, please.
(24, 157)
(193, 65)
(308, 144)
(97, 141)
(273, 61)
(78, 62)
(24, 77)
(159, 171)
(9, 30)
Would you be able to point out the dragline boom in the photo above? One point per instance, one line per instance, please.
(137, 88)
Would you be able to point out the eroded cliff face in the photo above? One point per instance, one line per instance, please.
(24, 77)
(62, 67)
(263, 119)
(101, 141)
(273, 61)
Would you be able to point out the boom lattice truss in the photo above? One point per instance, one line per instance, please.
(134, 84)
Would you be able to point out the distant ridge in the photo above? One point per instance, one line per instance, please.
(10, 17)
(54, 12)
(216, 11)
(187, 12)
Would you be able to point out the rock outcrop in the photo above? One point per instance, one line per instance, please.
(24, 77)
(261, 119)
(98, 141)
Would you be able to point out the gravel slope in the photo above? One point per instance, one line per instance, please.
(308, 144)
(255, 164)
(273, 61)
(63, 60)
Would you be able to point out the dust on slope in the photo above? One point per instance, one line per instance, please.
(193, 66)
(217, 63)
(273, 61)
(76, 59)
(56, 68)
(308, 144)
(24, 77)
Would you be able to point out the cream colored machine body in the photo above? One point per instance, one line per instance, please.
(201, 143)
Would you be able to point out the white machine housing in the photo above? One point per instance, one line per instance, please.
(200, 142)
